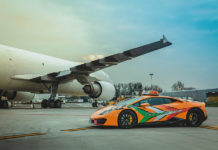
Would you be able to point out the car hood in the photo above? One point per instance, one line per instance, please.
(107, 108)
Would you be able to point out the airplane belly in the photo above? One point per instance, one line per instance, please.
(72, 87)
(20, 85)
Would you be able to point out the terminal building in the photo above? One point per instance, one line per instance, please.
(206, 95)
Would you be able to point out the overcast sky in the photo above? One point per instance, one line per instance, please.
(73, 30)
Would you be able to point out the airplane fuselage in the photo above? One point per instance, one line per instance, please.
(15, 61)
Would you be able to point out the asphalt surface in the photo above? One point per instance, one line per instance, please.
(68, 128)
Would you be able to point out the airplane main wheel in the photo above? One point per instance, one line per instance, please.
(1, 103)
(57, 104)
(95, 104)
(5, 104)
(194, 118)
(51, 104)
(44, 103)
(127, 119)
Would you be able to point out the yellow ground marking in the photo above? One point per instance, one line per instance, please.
(78, 129)
(210, 127)
(19, 136)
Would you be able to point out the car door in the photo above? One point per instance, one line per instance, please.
(160, 108)
(148, 113)
(171, 108)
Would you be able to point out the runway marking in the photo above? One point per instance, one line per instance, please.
(19, 136)
(78, 129)
(210, 127)
(56, 115)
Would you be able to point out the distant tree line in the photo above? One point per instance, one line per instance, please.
(179, 86)
(137, 88)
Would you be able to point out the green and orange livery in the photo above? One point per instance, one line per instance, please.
(150, 108)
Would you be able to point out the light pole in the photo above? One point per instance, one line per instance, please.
(151, 75)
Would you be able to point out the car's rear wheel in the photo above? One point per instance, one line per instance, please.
(194, 118)
(127, 119)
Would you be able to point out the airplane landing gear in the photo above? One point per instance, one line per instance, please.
(51, 102)
(95, 104)
(4, 104)
(44, 103)
(58, 104)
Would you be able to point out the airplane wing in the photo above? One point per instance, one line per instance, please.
(81, 72)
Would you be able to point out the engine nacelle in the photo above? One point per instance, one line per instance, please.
(19, 96)
(24, 96)
(101, 90)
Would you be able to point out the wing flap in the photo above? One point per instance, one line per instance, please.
(26, 76)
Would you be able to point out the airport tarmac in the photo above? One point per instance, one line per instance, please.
(68, 128)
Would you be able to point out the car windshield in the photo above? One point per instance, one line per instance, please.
(128, 101)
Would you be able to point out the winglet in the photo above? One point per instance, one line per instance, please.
(164, 39)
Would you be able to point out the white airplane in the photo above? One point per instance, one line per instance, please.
(23, 73)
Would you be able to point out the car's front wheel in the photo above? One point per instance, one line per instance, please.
(194, 118)
(127, 119)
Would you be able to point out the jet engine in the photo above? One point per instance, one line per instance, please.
(19, 96)
(24, 96)
(101, 90)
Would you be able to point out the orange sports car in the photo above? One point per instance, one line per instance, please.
(150, 108)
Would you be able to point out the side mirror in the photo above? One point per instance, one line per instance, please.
(145, 104)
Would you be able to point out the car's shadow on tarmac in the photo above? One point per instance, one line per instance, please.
(143, 126)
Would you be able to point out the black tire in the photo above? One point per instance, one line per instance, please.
(1, 103)
(5, 104)
(94, 104)
(127, 119)
(57, 104)
(44, 103)
(51, 103)
(194, 118)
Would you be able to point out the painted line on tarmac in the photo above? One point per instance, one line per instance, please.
(19, 136)
(78, 129)
(210, 127)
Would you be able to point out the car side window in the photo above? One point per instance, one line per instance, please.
(138, 104)
(168, 101)
(156, 101)
(143, 101)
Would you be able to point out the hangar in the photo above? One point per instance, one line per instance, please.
(204, 95)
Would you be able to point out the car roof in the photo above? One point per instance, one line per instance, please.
(151, 96)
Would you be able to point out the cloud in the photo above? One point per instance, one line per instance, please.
(92, 57)
(80, 30)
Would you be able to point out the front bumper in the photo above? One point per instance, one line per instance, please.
(98, 121)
